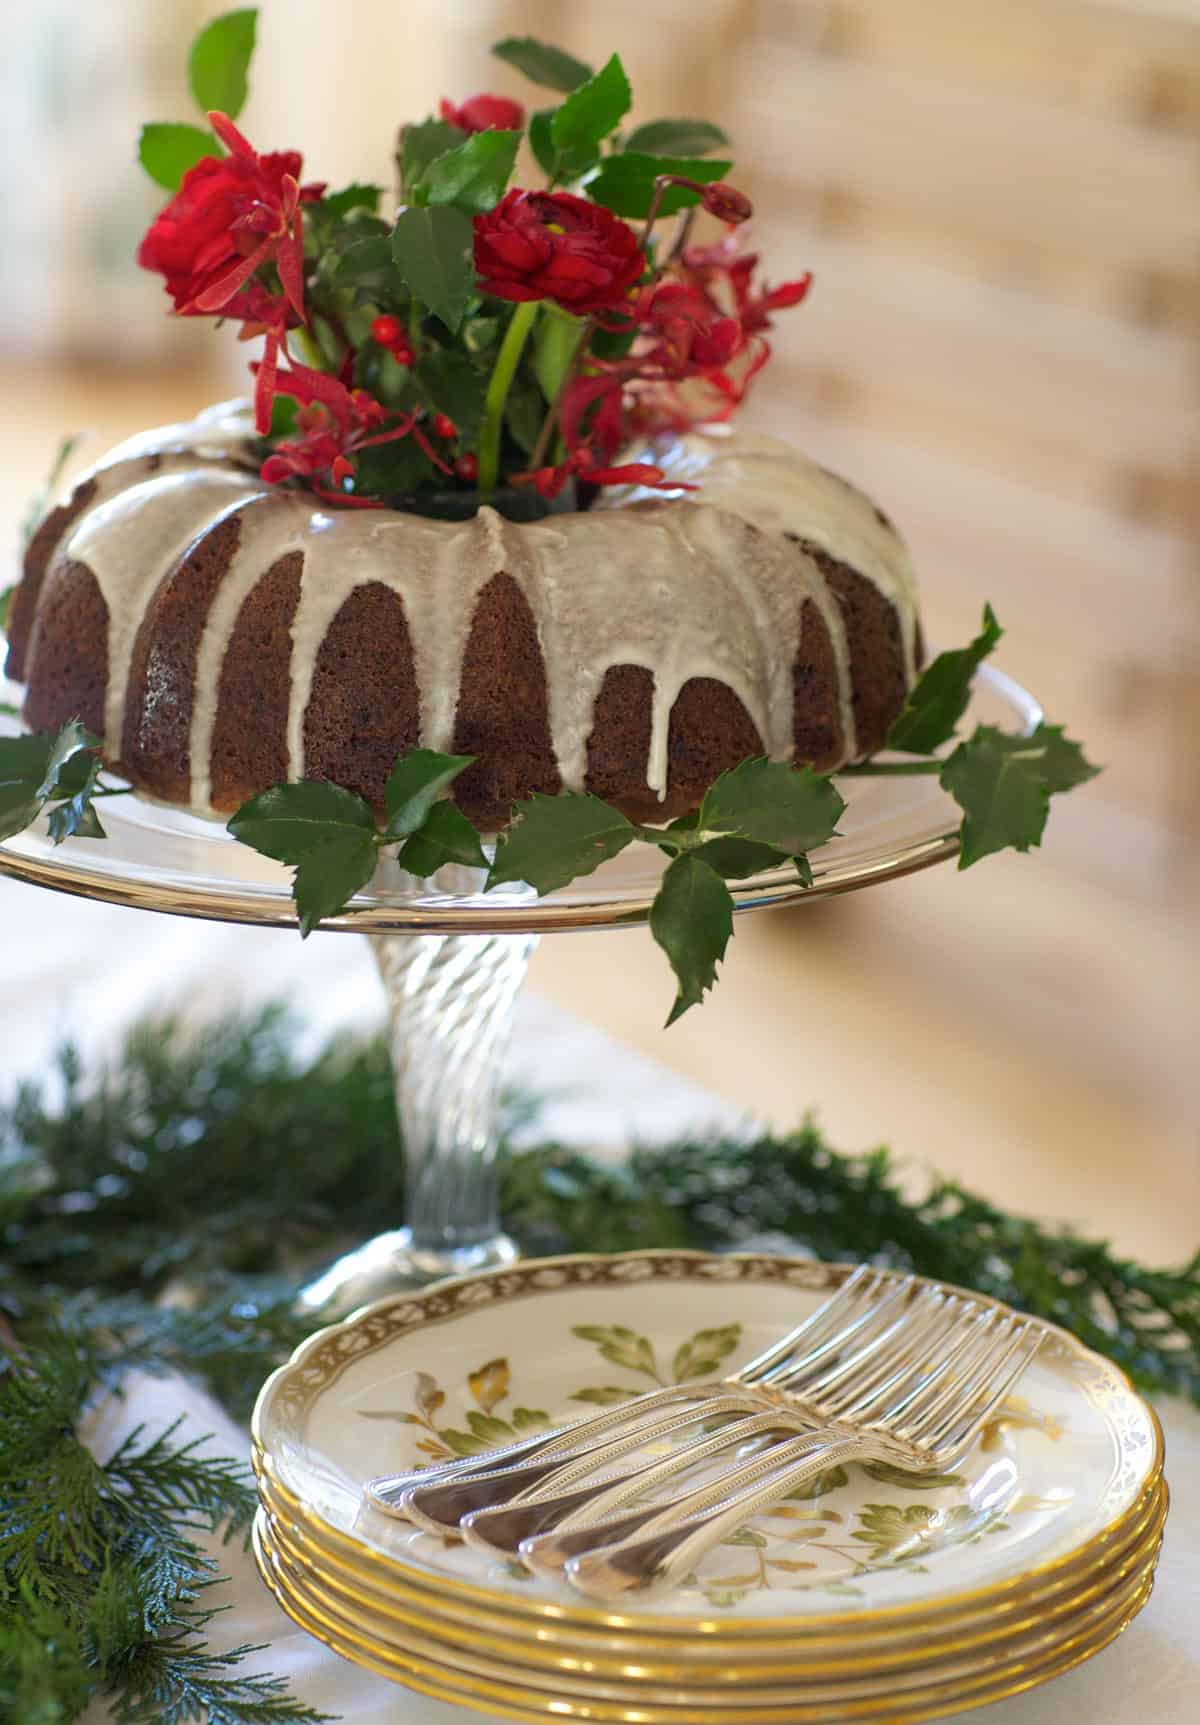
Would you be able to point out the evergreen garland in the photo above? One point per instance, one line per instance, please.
(161, 1214)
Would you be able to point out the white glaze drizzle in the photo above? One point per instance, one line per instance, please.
(706, 584)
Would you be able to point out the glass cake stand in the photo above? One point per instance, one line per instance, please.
(453, 958)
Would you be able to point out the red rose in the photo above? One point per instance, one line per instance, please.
(230, 214)
(551, 245)
(484, 113)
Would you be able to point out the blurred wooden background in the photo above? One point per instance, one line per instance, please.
(1001, 205)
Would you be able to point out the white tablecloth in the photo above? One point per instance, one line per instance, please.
(83, 969)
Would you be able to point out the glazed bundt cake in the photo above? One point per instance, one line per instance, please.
(222, 635)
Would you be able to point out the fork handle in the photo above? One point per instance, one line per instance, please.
(385, 1491)
(662, 1552)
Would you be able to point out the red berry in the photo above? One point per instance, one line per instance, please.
(467, 467)
(444, 426)
(386, 330)
(401, 351)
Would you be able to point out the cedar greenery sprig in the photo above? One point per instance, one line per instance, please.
(220, 1168)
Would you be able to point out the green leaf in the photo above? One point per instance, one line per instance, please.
(370, 257)
(416, 782)
(447, 836)
(541, 63)
(692, 919)
(33, 769)
(603, 1395)
(553, 840)
(220, 59)
(167, 151)
(288, 821)
(558, 164)
(358, 196)
(420, 145)
(329, 873)
(1003, 785)
(474, 175)
(77, 818)
(434, 252)
(747, 1536)
(677, 138)
(594, 110)
(792, 809)
(524, 413)
(625, 182)
(1063, 764)
(737, 859)
(6, 599)
(939, 700)
(454, 386)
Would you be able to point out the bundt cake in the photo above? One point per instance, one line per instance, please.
(222, 635)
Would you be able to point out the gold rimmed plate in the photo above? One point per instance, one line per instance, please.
(1049, 1488)
(554, 1650)
(497, 1687)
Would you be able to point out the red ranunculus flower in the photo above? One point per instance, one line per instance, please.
(551, 245)
(231, 214)
(483, 113)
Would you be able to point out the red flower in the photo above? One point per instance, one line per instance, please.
(483, 113)
(710, 267)
(334, 424)
(551, 245)
(549, 481)
(230, 215)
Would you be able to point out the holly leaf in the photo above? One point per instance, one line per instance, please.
(553, 840)
(446, 837)
(417, 780)
(939, 700)
(288, 821)
(737, 859)
(593, 110)
(677, 138)
(220, 60)
(692, 919)
(167, 151)
(474, 175)
(792, 809)
(434, 251)
(1003, 784)
(330, 873)
(625, 182)
(358, 196)
(453, 386)
(541, 63)
(76, 817)
(35, 769)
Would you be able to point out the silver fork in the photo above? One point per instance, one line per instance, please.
(862, 1311)
(920, 1413)
(814, 1390)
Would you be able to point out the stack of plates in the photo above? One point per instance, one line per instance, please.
(875, 1595)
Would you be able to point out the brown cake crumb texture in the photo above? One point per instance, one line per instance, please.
(364, 708)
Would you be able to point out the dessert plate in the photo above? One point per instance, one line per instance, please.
(498, 1687)
(1054, 1487)
(324, 1572)
(159, 858)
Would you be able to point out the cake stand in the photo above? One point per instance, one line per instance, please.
(452, 959)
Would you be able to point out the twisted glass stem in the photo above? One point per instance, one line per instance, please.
(450, 1004)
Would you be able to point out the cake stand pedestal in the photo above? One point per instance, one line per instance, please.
(452, 959)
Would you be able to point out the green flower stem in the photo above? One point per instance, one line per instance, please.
(554, 411)
(889, 769)
(507, 360)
